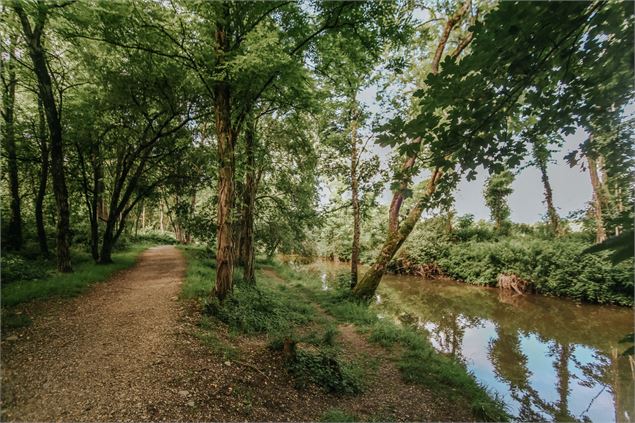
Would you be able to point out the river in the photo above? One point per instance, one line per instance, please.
(546, 358)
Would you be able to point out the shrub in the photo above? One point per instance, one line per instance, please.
(324, 368)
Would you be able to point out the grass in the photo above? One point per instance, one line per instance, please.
(61, 285)
(282, 308)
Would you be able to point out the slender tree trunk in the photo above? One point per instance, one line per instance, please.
(367, 286)
(355, 199)
(143, 217)
(44, 173)
(40, 67)
(397, 233)
(247, 253)
(14, 230)
(161, 216)
(552, 214)
(600, 233)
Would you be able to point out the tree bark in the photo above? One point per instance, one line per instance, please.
(247, 253)
(225, 140)
(44, 173)
(541, 155)
(397, 233)
(14, 230)
(45, 86)
(367, 286)
(600, 232)
(355, 198)
(552, 214)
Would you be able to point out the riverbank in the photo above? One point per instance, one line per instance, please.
(325, 357)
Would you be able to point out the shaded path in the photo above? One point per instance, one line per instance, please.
(112, 353)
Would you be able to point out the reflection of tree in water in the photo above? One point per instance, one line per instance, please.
(511, 365)
(613, 372)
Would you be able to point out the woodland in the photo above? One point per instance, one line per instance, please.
(243, 133)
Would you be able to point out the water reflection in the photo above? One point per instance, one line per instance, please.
(548, 359)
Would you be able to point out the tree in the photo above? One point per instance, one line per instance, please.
(9, 82)
(497, 188)
(399, 231)
(468, 113)
(33, 34)
(541, 157)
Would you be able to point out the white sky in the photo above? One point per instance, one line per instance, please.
(571, 186)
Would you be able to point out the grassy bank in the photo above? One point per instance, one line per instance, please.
(326, 340)
(29, 280)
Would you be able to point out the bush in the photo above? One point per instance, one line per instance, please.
(324, 368)
(252, 310)
(555, 267)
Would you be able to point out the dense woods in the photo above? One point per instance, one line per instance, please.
(247, 130)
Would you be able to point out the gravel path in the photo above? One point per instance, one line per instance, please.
(112, 354)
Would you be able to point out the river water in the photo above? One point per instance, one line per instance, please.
(547, 358)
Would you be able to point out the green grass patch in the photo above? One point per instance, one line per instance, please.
(326, 369)
(54, 284)
(208, 336)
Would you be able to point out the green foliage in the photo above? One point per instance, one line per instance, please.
(17, 268)
(86, 272)
(497, 188)
(326, 369)
(554, 267)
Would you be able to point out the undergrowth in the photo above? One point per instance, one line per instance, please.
(44, 282)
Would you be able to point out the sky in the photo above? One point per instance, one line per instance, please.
(571, 186)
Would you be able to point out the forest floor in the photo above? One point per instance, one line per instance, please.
(132, 350)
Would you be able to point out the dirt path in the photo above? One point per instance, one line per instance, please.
(113, 353)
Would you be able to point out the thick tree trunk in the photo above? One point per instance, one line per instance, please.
(14, 230)
(600, 232)
(247, 251)
(44, 173)
(354, 200)
(224, 241)
(367, 286)
(108, 241)
(40, 67)
(225, 142)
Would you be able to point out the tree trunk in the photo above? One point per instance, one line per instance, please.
(554, 220)
(40, 67)
(225, 140)
(161, 216)
(397, 234)
(44, 173)
(354, 199)
(600, 233)
(540, 155)
(107, 243)
(247, 253)
(14, 231)
(143, 217)
(224, 242)
(367, 286)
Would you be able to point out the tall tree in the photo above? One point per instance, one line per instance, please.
(399, 231)
(9, 82)
(33, 34)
